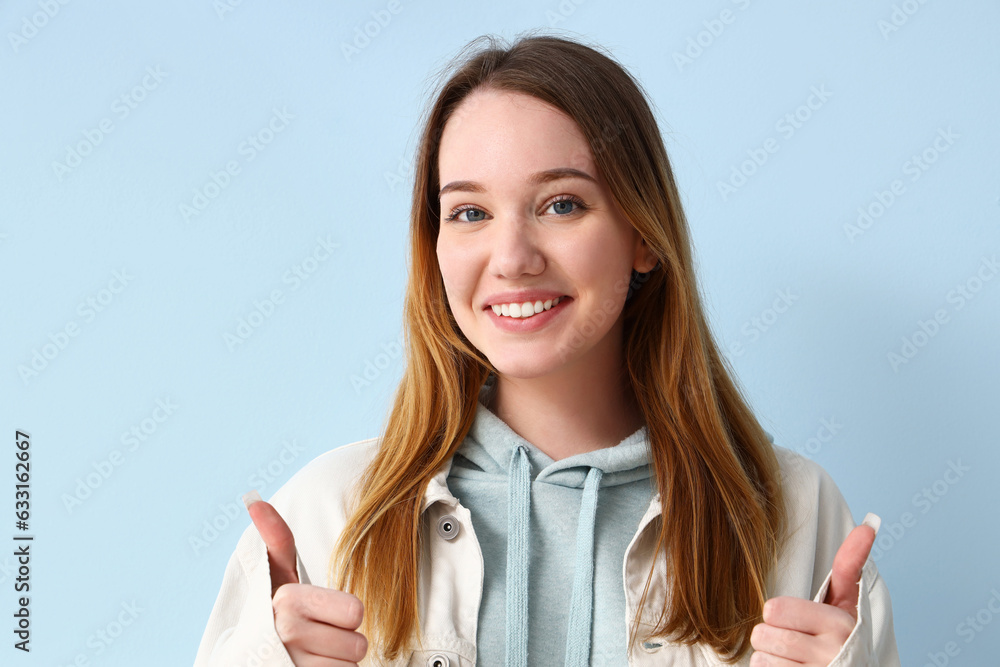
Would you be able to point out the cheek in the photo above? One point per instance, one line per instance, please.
(446, 263)
(455, 273)
(604, 265)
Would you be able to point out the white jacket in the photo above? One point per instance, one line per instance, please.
(241, 633)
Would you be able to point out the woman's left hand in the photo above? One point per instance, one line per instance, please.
(803, 632)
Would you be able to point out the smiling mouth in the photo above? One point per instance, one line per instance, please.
(526, 309)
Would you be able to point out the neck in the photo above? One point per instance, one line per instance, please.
(580, 409)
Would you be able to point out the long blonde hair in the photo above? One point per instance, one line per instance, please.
(715, 469)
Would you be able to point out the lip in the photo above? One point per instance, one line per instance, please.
(533, 323)
(532, 295)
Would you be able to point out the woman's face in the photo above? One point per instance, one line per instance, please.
(507, 229)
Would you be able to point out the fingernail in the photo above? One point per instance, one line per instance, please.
(873, 520)
(251, 497)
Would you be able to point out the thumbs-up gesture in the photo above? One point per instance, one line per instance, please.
(315, 624)
(803, 632)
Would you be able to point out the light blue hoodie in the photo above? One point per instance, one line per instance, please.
(554, 591)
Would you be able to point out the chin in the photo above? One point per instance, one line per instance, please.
(524, 369)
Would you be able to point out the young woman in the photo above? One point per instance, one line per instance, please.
(569, 473)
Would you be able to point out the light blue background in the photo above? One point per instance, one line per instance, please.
(339, 170)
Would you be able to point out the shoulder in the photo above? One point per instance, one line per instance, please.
(802, 479)
(806, 480)
(325, 480)
(314, 502)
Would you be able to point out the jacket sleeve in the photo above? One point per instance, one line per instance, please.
(823, 520)
(872, 642)
(240, 630)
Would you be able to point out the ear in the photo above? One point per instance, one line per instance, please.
(645, 260)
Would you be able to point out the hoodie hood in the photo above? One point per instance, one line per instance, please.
(493, 449)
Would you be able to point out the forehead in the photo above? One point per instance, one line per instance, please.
(500, 132)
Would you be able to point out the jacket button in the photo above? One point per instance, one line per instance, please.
(438, 660)
(448, 529)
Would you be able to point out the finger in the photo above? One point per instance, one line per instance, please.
(320, 639)
(307, 659)
(324, 605)
(765, 659)
(277, 538)
(782, 643)
(792, 613)
(848, 563)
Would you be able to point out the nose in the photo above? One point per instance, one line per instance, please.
(515, 246)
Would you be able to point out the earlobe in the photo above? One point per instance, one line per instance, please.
(645, 254)
(648, 262)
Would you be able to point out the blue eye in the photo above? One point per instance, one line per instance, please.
(462, 209)
(561, 207)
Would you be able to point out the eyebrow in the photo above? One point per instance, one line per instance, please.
(535, 179)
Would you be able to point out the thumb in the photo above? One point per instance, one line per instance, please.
(848, 564)
(277, 538)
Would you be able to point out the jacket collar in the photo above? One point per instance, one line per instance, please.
(437, 489)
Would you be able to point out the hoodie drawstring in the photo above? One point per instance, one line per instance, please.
(582, 604)
(518, 506)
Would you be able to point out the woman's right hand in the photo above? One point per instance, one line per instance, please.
(315, 624)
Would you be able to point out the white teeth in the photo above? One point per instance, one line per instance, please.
(526, 309)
